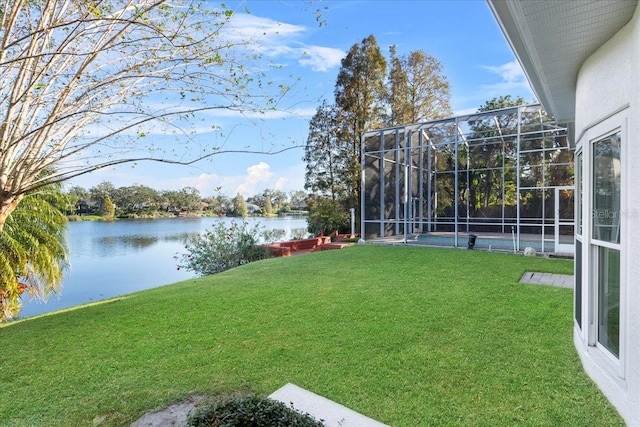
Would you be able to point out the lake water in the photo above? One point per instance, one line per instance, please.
(109, 259)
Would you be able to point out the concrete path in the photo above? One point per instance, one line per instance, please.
(331, 413)
(549, 279)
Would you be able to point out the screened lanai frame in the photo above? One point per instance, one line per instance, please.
(511, 171)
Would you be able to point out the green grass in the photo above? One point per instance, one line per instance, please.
(408, 336)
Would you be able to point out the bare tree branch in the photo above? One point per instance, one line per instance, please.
(70, 67)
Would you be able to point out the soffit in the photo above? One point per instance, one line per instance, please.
(552, 39)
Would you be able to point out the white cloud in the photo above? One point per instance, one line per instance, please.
(280, 183)
(206, 183)
(512, 79)
(321, 58)
(265, 30)
(257, 179)
(262, 176)
(291, 178)
(511, 72)
(278, 39)
(495, 81)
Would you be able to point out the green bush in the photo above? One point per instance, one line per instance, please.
(223, 248)
(326, 215)
(249, 411)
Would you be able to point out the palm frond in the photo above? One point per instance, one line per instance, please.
(33, 251)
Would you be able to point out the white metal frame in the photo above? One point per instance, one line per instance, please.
(413, 151)
(560, 222)
(607, 361)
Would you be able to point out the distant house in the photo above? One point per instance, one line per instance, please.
(87, 207)
(251, 208)
(582, 59)
(301, 206)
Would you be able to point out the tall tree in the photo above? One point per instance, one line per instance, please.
(418, 89)
(240, 206)
(105, 188)
(135, 198)
(78, 192)
(82, 83)
(225, 204)
(359, 96)
(268, 207)
(279, 199)
(191, 199)
(107, 208)
(398, 88)
(323, 155)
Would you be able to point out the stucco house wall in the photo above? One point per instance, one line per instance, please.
(608, 85)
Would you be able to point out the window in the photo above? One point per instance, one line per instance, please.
(608, 277)
(606, 189)
(579, 193)
(605, 239)
(577, 289)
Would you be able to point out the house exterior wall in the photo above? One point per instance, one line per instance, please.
(608, 90)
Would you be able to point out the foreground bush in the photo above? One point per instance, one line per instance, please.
(326, 215)
(223, 248)
(250, 411)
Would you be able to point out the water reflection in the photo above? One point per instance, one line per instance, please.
(110, 244)
(116, 258)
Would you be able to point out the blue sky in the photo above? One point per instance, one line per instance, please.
(462, 35)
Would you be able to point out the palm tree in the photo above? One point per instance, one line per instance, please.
(33, 251)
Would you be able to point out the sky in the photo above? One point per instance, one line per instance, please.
(462, 34)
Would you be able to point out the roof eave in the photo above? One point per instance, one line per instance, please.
(505, 15)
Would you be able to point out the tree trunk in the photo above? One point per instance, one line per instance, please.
(7, 205)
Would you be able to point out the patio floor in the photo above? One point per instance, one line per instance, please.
(488, 241)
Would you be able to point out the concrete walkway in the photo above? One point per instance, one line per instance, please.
(331, 413)
(549, 279)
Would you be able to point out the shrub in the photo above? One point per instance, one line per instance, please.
(249, 411)
(223, 248)
(326, 215)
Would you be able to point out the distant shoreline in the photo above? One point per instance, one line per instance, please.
(77, 218)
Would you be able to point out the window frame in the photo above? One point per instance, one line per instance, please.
(578, 297)
(611, 125)
(586, 333)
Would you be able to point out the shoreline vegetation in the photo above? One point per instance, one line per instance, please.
(139, 201)
(164, 215)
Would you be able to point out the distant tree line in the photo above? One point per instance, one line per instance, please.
(140, 201)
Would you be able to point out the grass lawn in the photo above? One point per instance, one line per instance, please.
(408, 336)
